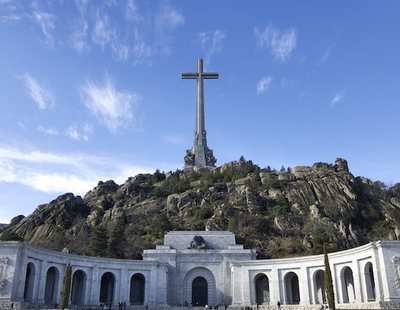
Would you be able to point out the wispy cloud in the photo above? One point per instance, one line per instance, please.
(339, 95)
(211, 43)
(48, 131)
(138, 35)
(46, 22)
(280, 43)
(79, 36)
(326, 55)
(102, 31)
(128, 30)
(21, 125)
(10, 12)
(168, 17)
(263, 84)
(79, 134)
(59, 173)
(38, 92)
(113, 108)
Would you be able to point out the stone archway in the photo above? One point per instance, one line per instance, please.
(199, 278)
(78, 288)
(348, 291)
(292, 289)
(51, 287)
(29, 282)
(319, 287)
(107, 287)
(262, 289)
(199, 292)
(137, 289)
(369, 282)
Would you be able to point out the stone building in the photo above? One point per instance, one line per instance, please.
(201, 267)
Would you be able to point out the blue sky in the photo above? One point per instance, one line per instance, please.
(91, 90)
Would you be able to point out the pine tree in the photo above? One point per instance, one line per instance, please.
(116, 245)
(66, 287)
(98, 241)
(330, 294)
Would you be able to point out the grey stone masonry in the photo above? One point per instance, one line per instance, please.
(200, 156)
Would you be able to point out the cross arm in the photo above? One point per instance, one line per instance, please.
(190, 75)
(210, 75)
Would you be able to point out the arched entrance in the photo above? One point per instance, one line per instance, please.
(78, 288)
(29, 282)
(199, 292)
(199, 287)
(319, 287)
(348, 285)
(107, 288)
(369, 282)
(51, 288)
(262, 289)
(292, 290)
(136, 296)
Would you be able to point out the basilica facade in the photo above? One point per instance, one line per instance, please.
(195, 268)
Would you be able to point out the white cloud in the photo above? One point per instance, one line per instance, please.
(48, 131)
(59, 173)
(263, 84)
(211, 43)
(46, 23)
(169, 17)
(79, 134)
(79, 36)
(132, 11)
(113, 108)
(339, 95)
(38, 92)
(280, 43)
(102, 31)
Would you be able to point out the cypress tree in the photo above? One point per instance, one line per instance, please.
(66, 288)
(98, 241)
(116, 244)
(330, 294)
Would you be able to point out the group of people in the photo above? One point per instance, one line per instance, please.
(206, 307)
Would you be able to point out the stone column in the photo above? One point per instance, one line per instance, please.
(161, 286)
(94, 286)
(237, 283)
(37, 283)
(338, 285)
(304, 287)
(125, 285)
(117, 288)
(275, 290)
(42, 282)
(21, 262)
(357, 281)
(60, 284)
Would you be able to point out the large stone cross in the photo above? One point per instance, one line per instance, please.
(200, 155)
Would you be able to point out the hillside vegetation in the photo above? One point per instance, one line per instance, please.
(282, 213)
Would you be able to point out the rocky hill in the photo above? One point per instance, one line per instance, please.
(285, 213)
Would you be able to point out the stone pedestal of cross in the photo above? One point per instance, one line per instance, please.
(200, 156)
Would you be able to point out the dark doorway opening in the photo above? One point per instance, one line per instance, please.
(199, 292)
(136, 296)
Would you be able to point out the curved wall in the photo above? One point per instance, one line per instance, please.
(363, 277)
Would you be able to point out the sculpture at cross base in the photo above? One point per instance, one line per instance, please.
(200, 156)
